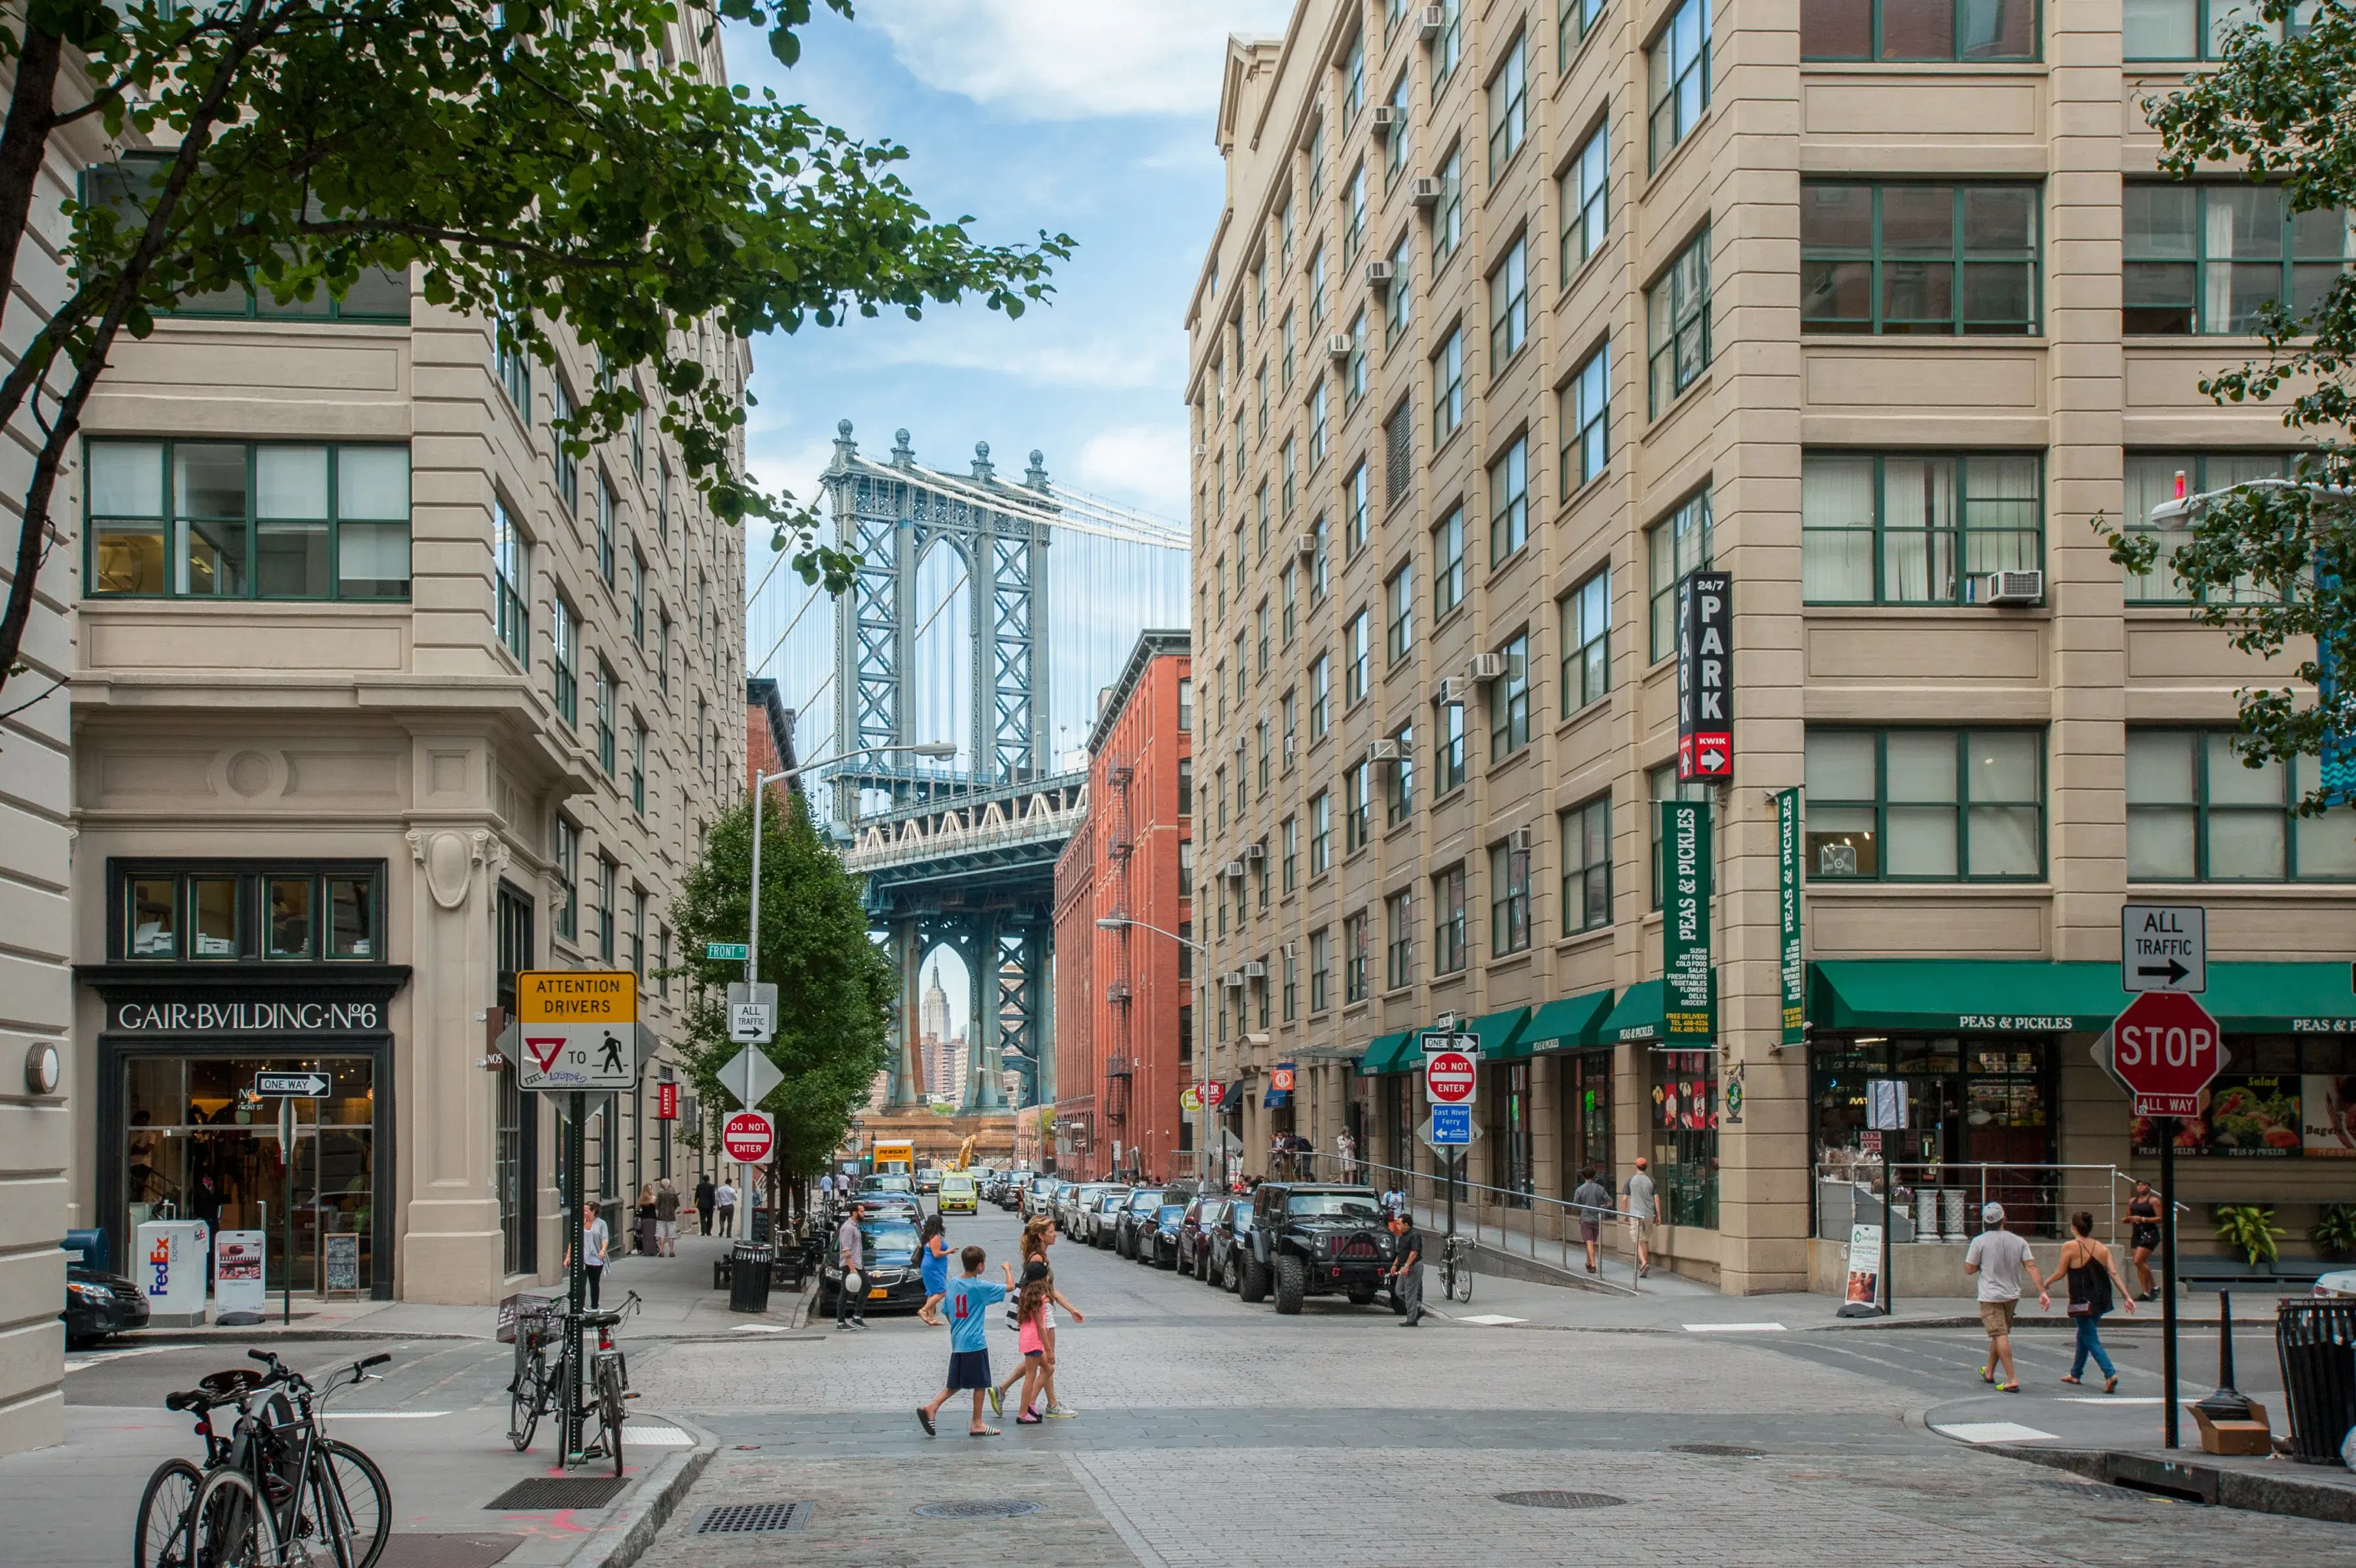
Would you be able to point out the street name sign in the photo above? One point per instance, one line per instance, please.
(300, 1085)
(1451, 1078)
(723, 953)
(749, 1076)
(748, 1137)
(2165, 1047)
(2164, 947)
(577, 1028)
(1451, 1126)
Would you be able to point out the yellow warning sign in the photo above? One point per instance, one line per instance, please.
(577, 996)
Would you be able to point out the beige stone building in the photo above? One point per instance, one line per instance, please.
(379, 700)
(1518, 313)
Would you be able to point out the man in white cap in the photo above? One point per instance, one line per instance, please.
(1998, 1257)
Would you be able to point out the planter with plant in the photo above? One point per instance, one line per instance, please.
(2334, 1235)
(2246, 1228)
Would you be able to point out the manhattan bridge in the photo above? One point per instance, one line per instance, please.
(987, 612)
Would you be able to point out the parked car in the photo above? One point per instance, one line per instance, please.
(1157, 1239)
(957, 1194)
(887, 1253)
(889, 1181)
(1144, 1203)
(1072, 1204)
(1039, 1198)
(1230, 1240)
(928, 1180)
(1011, 1190)
(1316, 1239)
(1096, 1220)
(2341, 1284)
(1203, 1216)
(99, 1303)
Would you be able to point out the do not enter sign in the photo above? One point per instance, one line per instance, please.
(1450, 1078)
(2165, 1047)
(749, 1136)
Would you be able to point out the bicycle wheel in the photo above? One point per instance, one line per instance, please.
(1464, 1281)
(231, 1527)
(351, 1505)
(609, 1407)
(164, 1514)
(524, 1404)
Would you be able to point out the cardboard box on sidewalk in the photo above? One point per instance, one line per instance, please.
(2250, 1436)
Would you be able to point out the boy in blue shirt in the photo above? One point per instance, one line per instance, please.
(968, 1305)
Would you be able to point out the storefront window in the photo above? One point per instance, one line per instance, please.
(1586, 1079)
(1979, 1119)
(1684, 1135)
(1509, 1131)
(2287, 1096)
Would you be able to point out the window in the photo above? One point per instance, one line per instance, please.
(568, 873)
(637, 599)
(1354, 365)
(1219, 576)
(1586, 195)
(1354, 215)
(607, 916)
(604, 707)
(1398, 452)
(638, 930)
(1262, 729)
(1319, 560)
(1447, 48)
(1354, 80)
(1587, 421)
(2206, 258)
(1399, 599)
(1284, 235)
(1509, 701)
(1187, 873)
(1260, 620)
(1353, 519)
(1259, 397)
(1291, 835)
(1940, 30)
(1398, 793)
(1289, 590)
(1401, 141)
(1285, 707)
(663, 961)
(1448, 921)
(1186, 785)
(1907, 805)
(1358, 666)
(1259, 290)
(2151, 480)
(1186, 706)
(1261, 874)
(511, 567)
(1587, 643)
(288, 912)
(1448, 223)
(564, 655)
(1291, 984)
(1509, 500)
(1321, 965)
(1398, 929)
(662, 649)
(639, 768)
(1448, 563)
(638, 438)
(568, 467)
(1509, 899)
(1314, 155)
(606, 562)
(1587, 867)
(2194, 29)
(1904, 529)
(2198, 813)
(1284, 346)
(1673, 546)
(1509, 306)
(232, 520)
(1937, 259)
(1450, 757)
(1286, 467)
(514, 370)
(1447, 388)
(1661, 784)
(1509, 105)
(1354, 958)
(1260, 513)
(1317, 430)
(1316, 286)
(1677, 68)
(1677, 310)
(1578, 19)
(1357, 806)
(1321, 693)
(1320, 832)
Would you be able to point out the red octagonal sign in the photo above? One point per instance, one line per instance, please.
(1449, 1076)
(749, 1136)
(2167, 1048)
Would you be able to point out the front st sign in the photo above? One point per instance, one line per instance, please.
(577, 1029)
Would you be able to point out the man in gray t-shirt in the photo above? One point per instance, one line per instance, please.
(1644, 1206)
(1591, 1201)
(2002, 1260)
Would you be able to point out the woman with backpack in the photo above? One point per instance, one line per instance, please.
(2092, 1272)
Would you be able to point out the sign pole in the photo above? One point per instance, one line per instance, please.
(1888, 1229)
(2166, 1127)
(286, 1157)
(576, 1277)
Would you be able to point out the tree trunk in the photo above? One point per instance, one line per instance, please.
(23, 147)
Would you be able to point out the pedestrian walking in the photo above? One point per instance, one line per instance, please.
(596, 1247)
(1643, 1200)
(1407, 1269)
(2002, 1260)
(969, 1301)
(850, 1249)
(2144, 1219)
(2091, 1272)
(1037, 1237)
(667, 1219)
(933, 1262)
(1030, 1344)
(1593, 1201)
(703, 1196)
(726, 1199)
(1345, 1151)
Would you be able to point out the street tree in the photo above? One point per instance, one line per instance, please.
(835, 986)
(557, 162)
(2274, 565)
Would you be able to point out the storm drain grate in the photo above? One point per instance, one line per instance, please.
(1553, 1500)
(560, 1492)
(751, 1518)
(975, 1508)
(1718, 1450)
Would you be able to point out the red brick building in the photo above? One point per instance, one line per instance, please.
(768, 731)
(1125, 1000)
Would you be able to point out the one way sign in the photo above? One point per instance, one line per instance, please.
(2164, 947)
(1705, 675)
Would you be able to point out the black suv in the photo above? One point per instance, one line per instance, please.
(1316, 1239)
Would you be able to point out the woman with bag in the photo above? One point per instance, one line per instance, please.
(647, 1217)
(2092, 1273)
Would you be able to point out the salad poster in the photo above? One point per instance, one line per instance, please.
(2266, 1116)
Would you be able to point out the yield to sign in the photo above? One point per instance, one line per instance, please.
(749, 1136)
(1450, 1078)
(2165, 1047)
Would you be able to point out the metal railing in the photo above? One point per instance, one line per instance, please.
(1940, 1201)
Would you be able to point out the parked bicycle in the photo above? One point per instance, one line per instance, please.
(540, 1337)
(1456, 1269)
(273, 1491)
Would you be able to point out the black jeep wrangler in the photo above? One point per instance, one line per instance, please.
(1316, 1239)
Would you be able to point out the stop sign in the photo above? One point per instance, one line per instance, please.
(2166, 1048)
(1449, 1076)
(748, 1136)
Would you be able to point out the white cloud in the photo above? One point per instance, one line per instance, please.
(1073, 59)
(1147, 462)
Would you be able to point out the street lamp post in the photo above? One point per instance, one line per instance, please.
(1203, 1087)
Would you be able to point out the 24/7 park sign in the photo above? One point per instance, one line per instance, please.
(1705, 675)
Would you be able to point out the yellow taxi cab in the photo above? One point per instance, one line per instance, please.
(959, 1194)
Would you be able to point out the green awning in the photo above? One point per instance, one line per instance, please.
(2008, 996)
(1388, 1053)
(1570, 1023)
(1641, 1015)
(1501, 1035)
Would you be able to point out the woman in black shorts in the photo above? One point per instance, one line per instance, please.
(2143, 1235)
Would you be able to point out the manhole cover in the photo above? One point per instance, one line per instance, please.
(1718, 1450)
(446, 1550)
(1560, 1500)
(749, 1519)
(977, 1507)
(560, 1492)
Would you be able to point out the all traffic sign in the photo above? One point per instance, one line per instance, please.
(2163, 947)
(1451, 1078)
(749, 1136)
(2165, 1047)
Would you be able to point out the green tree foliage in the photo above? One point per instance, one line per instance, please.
(835, 986)
(541, 163)
(2275, 566)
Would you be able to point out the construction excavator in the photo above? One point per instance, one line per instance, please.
(964, 1157)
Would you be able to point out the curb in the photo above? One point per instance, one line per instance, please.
(2192, 1481)
(327, 1335)
(624, 1537)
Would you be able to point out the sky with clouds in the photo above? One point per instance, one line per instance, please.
(1087, 117)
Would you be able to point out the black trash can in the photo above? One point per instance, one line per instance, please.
(748, 1278)
(2317, 1343)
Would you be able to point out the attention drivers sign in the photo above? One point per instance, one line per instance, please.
(578, 1029)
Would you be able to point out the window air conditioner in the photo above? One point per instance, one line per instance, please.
(2005, 588)
(1233, 871)
(1239, 745)
(1434, 18)
(1387, 118)
(1383, 751)
(1452, 692)
(1254, 852)
(1337, 345)
(1288, 751)
(1487, 667)
(1233, 980)
(1289, 949)
(1255, 970)
(1426, 191)
(1518, 841)
(1378, 275)
(1117, 992)
(1304, 544)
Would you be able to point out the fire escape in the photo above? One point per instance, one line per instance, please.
(1121, 851)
